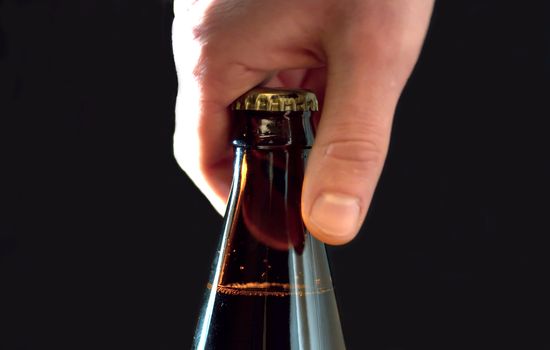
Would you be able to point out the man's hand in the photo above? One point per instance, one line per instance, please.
(355, 54)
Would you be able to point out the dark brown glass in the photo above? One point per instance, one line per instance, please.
(271, 286)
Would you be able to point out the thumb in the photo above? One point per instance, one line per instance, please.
(346, 160)
(362, 90)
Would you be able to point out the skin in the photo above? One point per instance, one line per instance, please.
(358, 51)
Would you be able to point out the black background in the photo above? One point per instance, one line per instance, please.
(105, 244)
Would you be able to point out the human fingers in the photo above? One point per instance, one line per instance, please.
(223, 48)
(368, 62)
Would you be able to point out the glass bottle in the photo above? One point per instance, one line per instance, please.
(270, 286)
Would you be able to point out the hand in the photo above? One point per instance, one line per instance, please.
(355, 54)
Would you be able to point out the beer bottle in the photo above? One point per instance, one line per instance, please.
(271, 286)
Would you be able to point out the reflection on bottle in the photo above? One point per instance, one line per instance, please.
(315, 323)
(274, 218)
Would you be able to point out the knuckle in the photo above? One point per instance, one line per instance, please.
(355, 156)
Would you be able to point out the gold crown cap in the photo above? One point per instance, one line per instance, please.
(276, 100)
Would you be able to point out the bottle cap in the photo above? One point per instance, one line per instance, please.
(276, 100)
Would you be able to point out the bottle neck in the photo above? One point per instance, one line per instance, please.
(276, 147)
(264, 222)
(274, 130)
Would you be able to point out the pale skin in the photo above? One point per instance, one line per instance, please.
(358, 51)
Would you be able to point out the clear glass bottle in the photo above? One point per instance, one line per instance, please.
(271, 286)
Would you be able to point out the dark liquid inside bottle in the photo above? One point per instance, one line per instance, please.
(271, 286)
(263, 322)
